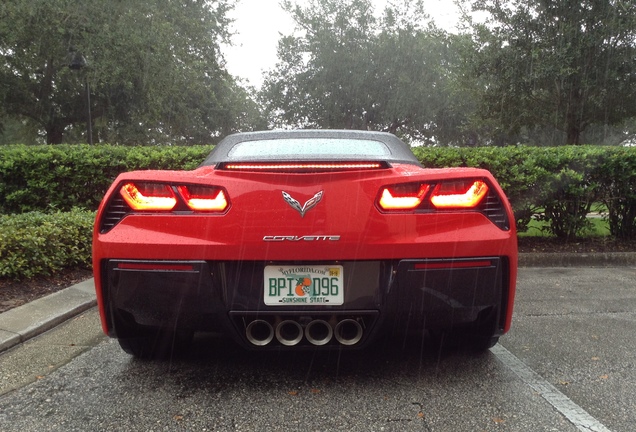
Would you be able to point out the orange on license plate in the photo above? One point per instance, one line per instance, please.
(301, 285)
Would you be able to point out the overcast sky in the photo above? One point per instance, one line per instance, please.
(259, 22)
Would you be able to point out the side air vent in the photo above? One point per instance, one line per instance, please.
(114, 212)
(494, 210)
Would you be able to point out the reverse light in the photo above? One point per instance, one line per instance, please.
(148, 196)
(459, 194)
(203, 198)
(403, 197)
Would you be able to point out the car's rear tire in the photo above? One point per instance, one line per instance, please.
(156, 344)
(150, 342)
(477, 337)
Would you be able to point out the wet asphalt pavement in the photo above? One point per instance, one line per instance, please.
(568, 364)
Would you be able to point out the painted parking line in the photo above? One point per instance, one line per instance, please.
(574, 413)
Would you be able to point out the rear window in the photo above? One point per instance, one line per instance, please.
(312, 147)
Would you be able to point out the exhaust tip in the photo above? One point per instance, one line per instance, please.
(318, 332)
(259, 332)
(348, 332)
(289, 333)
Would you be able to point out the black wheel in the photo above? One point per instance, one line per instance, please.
(477, 337)
(483, 335)
(150, 342)
(484, 343)
(156, 344)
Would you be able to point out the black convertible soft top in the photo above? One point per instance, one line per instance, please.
(311, 145)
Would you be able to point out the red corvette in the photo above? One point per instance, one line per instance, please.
(304, 239)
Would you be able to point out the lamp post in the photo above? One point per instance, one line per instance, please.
(78, 62)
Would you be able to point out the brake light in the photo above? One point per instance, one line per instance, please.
(302, 166)
(203, 198)
(403, 197)
(459, 194)
(148, 196)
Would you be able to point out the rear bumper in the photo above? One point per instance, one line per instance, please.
(227, 297)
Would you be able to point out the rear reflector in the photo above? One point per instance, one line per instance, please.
(155, 266)
(452, 265)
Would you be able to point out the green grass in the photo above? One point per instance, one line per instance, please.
(600, 228)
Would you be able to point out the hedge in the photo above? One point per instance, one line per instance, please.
(556, 184)
(62, 177)
(35, 243)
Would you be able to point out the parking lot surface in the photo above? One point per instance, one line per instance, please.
(566, 365)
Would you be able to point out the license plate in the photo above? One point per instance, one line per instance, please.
(303, 285)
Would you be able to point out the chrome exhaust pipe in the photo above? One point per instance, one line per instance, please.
(348, 332)
(318, 332)
(259, 332)
(289, 332)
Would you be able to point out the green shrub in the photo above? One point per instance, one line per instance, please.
(556, 185)
(616, 178)
(61, 177)
(35, 243)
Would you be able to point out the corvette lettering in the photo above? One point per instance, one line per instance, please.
(301, 238)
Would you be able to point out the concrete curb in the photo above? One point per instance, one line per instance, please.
(29, 320)
(24, 322)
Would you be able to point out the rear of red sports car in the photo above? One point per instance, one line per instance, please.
(304, 239)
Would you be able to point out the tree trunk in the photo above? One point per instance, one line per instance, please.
(573, 134)
(54, 133)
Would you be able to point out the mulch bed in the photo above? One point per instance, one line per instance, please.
(584, 245)
(16, 293)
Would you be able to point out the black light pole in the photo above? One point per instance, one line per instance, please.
(78, 62)
(90, 120)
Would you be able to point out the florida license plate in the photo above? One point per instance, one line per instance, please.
(303, 285)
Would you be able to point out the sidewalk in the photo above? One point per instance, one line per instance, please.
(24, 322)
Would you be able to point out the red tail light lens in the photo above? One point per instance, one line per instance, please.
(148, 196)
(203, 198)
(403, 197)
(459, 194)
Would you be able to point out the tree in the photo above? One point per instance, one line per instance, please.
(565, 64)
(346, 68)
(152, 69)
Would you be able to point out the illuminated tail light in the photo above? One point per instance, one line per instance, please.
(403, 197)
(452, 195)
(203, 198)
(459, 194)
(149, 196)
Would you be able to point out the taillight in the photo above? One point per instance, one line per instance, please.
(442, 195)
(445, 196)
(459, 194)
(406, 196)
(148, 196)
(204, 198)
